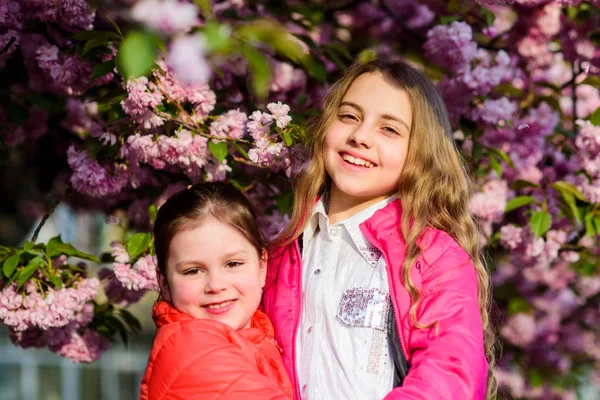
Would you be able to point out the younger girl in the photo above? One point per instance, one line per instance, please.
(212, 343)
(376, 288)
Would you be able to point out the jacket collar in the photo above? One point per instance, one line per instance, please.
(164, 313)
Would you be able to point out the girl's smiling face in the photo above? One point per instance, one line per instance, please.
(214, 272)
(366, 146)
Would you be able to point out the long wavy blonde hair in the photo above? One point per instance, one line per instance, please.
(434, 186)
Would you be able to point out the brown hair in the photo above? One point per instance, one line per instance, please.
(189, 208)
(434, 186)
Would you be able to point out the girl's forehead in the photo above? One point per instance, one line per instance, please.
(373, 92)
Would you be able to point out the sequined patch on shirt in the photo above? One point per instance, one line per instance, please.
(365, 307)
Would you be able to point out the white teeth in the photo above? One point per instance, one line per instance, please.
(220, 305)
(357, 161)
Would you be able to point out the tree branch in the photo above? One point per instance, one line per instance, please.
(48, 214)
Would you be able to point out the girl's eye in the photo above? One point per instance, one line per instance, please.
(233, 264)
(390, 130)
(192, 271)
(348, 117)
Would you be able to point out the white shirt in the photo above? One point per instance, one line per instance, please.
(342, 342)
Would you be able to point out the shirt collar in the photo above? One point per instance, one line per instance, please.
(320, 220)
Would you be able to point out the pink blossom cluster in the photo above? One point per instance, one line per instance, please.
(166, 16)
(66, 13)
(186, 69)
(199, 94)
(268, 147)
(587, 143)
(10, 24)
(475, 71)
(74, 341)
(451, 46)
(270, 219)
(70, 72)
(139, 276)
(185, 151)
(54, 308)
(116, 292)
(80, 117)
(232, 125)
(92, 179)
(489, 203)
(141, 96)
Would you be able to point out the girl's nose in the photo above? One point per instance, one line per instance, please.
(362, 136)
(215, 282)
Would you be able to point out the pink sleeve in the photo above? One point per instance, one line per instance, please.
(451, 363)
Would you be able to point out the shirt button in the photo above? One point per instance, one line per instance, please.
(304, 388)
(317, 271)
(309, 329)
(334, 230)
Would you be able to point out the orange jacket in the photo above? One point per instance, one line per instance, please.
(205, 359)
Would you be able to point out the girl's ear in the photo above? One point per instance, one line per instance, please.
(264, 258)
(163, 285)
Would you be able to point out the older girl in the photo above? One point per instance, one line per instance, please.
(376, 288)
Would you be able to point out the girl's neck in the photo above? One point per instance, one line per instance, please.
(342, 206)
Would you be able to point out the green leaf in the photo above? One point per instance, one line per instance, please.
(56, 247)
(284, 202)
(205, 7)
(218, 150)
(239, 149)
(569, 200)
(595, 117)
(518, 305)
(274, 35)
(110, 21)
(540, 223)
(590, 228)
(28, 271)
(218, 37)
(508, 90)
(138, 244)
(597, 224)
(10, 264)
(132, 322)
(27, 245)
(103, 69)
(536, 377)
(100, 40)
(449, 19)
(592, 80)
(136, 55)
(153, 211)
(520, 184)
(315, 67)
(56, 282)
(490, 17)
(287, 138)
(563, 186)
(261, 71)
(517, 202)
(94, 34)
(496, 166)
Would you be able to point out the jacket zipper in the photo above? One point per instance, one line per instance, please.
(299, 302)
(391, 285)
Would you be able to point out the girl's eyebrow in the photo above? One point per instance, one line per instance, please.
(384, 116)
(231, 254)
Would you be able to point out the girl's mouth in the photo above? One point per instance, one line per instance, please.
(357, 161)
(219, 308)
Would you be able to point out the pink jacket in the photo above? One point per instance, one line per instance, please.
(448, 365)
